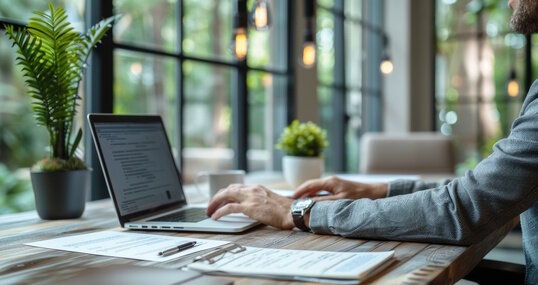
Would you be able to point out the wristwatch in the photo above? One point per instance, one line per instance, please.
(299, 208)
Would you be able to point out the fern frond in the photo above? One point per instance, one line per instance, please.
(52, 57)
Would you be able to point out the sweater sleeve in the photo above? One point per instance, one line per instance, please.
(462, 211)
(401, 187)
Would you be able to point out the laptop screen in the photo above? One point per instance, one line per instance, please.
(140, 165)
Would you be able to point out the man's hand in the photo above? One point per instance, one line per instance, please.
(257, 202)
(340, 189)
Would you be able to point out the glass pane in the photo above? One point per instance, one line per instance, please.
(461, 77)
(207, 27)
(453, 17)
(207, 119)
(473, 139)
(457, 70)
(353, 46)
(269, 48)
(534, 59)
(326, 116)
(353, 8)
(145, 84)
(325, 46)
(325, 3)
(354, 124)
(497, 18)
(147, 23)
(500, 56)
(21, 10)
(461, 123)
(267, 119)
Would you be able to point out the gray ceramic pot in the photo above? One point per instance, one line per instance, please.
(60, 195)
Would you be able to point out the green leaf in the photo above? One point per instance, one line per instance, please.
(74, 146)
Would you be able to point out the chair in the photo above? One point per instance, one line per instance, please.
(407, 153)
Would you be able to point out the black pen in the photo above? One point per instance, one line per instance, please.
(177, 249)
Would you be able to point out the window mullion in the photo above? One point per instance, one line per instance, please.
(180, 102)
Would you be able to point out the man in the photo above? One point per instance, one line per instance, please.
(461, 211)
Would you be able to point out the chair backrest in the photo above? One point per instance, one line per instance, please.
(408, 153)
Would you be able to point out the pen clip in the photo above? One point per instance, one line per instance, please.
(220, 252)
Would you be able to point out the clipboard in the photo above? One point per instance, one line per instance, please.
(219, 253)
(283, 264)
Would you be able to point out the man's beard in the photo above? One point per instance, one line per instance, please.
(525, 17)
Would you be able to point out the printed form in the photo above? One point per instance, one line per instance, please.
(126, 245)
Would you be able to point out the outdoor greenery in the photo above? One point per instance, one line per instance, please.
(15, 192)
(476, 50)
(52, 56)
(303, 139)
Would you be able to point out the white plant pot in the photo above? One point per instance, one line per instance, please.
(298, 169)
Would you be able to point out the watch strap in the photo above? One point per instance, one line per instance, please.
(298, 220)
(298, 217)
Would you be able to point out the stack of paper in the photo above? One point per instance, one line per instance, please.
(304, 265)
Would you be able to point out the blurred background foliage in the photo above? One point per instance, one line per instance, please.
(476, 52)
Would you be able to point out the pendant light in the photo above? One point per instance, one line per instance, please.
(308, 54)
(386, 66)
(513, 86)
(260, 15)
(239, 44)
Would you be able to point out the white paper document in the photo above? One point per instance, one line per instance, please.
(126, 245)
(303, 265)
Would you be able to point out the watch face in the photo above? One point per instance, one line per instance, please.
(302, 204)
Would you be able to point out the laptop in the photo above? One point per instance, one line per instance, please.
(143, 180)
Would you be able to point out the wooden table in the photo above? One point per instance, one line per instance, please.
(414, 263)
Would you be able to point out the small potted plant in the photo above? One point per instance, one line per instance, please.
(53, 57)
(303, 144)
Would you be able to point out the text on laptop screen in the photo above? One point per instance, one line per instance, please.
(140, 166)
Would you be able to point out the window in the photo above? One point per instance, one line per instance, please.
(476, 53)
(172, 58)
(348, 82)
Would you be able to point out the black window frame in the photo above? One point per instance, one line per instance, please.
(101, 82)
(372, 97)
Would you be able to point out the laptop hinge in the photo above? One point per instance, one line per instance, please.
(156, 213)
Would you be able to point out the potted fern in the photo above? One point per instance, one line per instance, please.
(53, 56)
(303, 144)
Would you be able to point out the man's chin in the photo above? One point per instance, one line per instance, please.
(524, 19)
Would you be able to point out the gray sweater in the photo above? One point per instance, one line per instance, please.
(462, 211)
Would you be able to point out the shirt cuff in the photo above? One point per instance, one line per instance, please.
(320, 215)
(400, 187)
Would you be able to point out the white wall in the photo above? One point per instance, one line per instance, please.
(408, 91)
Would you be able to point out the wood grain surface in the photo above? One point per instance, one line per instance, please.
(414, 263)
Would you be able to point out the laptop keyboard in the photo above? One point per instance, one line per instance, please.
(189, 215)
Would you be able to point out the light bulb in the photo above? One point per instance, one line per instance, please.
(513, 88)
(386, 66)
(240, 44)
(260, 15)
(309, 54)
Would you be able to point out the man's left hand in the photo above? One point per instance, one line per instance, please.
(256, 202)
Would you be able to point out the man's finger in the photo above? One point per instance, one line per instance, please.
(227, 209)
(233, 193)
(310, 188)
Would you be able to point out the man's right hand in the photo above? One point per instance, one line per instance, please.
(340, 189)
